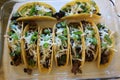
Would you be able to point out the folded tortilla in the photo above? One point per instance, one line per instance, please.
(92, 40)
(29, 45)
(36, 11)
(61, 44)
(45, 50)
(106, 46)
(77, 47)
(81, 9)
(13, 39)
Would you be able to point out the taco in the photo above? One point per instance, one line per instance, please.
(77, 47)
(92, 40)
(83, 9)
(13, 39)
(29, 45)
(107, 46)
(45, 50)
(36, 11)
(61, 44)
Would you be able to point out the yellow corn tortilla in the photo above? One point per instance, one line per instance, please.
(83, 49)
(16, 41)
(23, 49)
(25, 17)
(67, 51)
(36, 18)
(97, 37)
(42, 69)
(81, 15)
(102, 66)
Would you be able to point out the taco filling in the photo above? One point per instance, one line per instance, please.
(36, 10)
(61, 43)
(14, 35)
(91, 41)
(106, 43)
(30, 45)
(46, 47)
(76, 46)
(80, 7)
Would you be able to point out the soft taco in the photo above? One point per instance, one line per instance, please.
(36, 11)
(92, 41)
(107, 46)
(77, 47)
(45, 50)
(84, 9)
(13, 39)
(29, 45)
(61, 44)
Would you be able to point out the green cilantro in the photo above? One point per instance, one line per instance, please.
(47, 31)
(100, 26)
(94, 41)
(26, 34)
(107, 38)
(34, 37)
(10, 33)
(48, 14)
(16, 52)
(12, 54)
(77, 33)
(32, 11)
(65, 31)
(15, 36)
(62, 37)
(63, 24)
(45, 45)
(64, 43)
(104, 45)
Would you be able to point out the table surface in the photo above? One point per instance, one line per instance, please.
(117, 3)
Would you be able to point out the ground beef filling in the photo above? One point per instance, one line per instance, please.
(76, 67)
(47, 62)
(89, 56)
(105, 57)
(61, 60)
(16, 61)
(30, 59)
(28, 71)
(76, 63)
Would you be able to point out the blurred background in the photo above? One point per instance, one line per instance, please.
(1, 69)
(2, 1)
